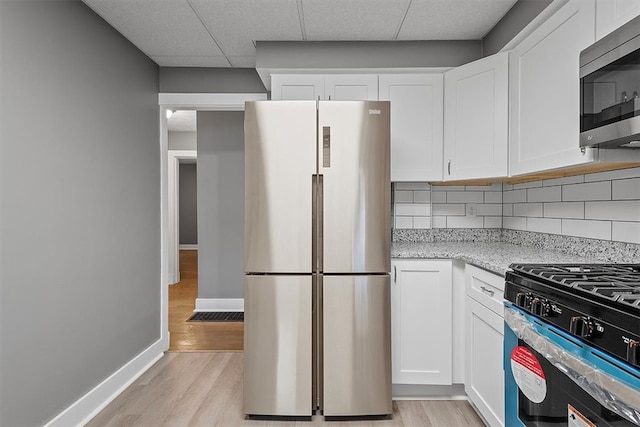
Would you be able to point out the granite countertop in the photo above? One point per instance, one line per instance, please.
(492, 256)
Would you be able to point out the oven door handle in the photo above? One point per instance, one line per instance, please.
(611, 393)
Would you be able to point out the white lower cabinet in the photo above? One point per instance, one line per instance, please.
(421, 322)
(484, 373)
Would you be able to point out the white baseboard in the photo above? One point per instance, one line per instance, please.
(186, 247)
(219, 304)
(89, 405)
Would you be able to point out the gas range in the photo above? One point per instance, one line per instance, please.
(596, 303)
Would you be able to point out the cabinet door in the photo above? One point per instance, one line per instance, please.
(484, 374)
(476, 118)
(611, 14)
(545, 92)
(421, 319)
(351, 87)
(297, 87)
(416, 125)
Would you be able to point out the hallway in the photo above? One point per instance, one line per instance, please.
(197, 336)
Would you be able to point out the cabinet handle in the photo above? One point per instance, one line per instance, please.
(487, 291)
(395, 273)
(449, 167)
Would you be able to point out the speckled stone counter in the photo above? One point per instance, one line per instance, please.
(492, 256)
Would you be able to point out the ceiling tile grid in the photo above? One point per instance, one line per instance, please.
(222, 33)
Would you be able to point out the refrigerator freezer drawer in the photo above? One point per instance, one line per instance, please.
(357, 345)
(277, 345)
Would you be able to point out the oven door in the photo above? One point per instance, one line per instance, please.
(552, 379)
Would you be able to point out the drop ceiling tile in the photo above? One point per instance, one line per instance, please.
(235, 25)
(191, 61)
(352, 20)
(158, 27)
(452, 19)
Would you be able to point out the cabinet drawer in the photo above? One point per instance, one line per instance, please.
(486, 288)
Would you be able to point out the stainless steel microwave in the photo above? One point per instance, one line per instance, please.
(610, 90)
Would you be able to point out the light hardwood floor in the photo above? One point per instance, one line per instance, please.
(205, 389)
(197, 336)
(199, 381)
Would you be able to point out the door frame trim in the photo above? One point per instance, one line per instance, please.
(184, 101)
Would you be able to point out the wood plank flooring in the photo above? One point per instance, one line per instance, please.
(205, 389)
(197, 336)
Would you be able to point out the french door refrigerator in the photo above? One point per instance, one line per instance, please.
(317, 258)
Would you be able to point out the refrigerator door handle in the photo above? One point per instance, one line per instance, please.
(314, 222)
(320, 245)
(395, 273)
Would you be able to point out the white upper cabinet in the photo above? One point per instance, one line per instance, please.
(351, 87)
(476, 116)
(339, 87)
(297, 87)
(611, 14)
(416, 125)
(545, 92)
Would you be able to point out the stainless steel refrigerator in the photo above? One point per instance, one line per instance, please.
(317, 258)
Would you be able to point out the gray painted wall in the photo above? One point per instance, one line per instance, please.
(220, 203)
(210, 80)
(518, 17)
(183, 141)
(80, 245)
(188, 204)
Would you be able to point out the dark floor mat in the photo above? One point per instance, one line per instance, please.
(217, 316)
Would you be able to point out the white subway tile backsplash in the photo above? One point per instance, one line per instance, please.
(422, 222)
(586, 228)
(564, 210)
(544, 225)
(561, 181)
(493, 197)
(527, 209)
(403, 196)
(530, 184)
(514, 223)
(407, 209)
(544, 194)
(438, 197)
(439, 222)
(603, 205)
(587, 191)
(626, 210)
(514, 196)
(465, 197)
(448, 209)
(464, 222)
(412, 185)
(612, 175)
(485, 209)
(492, 222)
(626, 232)
(626, 189)
(421, 196)
(404, 222)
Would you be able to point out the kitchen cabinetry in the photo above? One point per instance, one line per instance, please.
(611, 14)
(339, 87)
(421, 322)
(476, 118)
(544, 92)
(416, 125)
(484, 374)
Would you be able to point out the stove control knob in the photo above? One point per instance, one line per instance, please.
(633, 352)
(520, 299)
(541, 307)
(582, 327)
